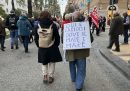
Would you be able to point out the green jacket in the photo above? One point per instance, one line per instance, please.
(77, 54)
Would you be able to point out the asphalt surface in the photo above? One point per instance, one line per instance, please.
(22, 72)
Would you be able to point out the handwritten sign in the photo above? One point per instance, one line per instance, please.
(76, 36)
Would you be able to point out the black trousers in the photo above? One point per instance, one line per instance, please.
(114, 39)
(36, 39)
(2, 41)
(126, 35)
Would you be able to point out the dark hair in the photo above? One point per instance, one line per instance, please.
(45, 15)
(54, 19)
(116, 14)
(125, 14)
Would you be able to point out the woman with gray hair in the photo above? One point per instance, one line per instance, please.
(77, 59)
(66, 19)
(2, 34)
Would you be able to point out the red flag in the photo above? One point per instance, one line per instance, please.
(95, 17)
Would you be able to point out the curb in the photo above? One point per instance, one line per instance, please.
(123, 67)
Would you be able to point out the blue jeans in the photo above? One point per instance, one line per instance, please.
(25, 40)
(14, 37)
(78, 72)
(126, 36)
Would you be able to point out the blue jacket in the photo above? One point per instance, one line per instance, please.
(24, 26)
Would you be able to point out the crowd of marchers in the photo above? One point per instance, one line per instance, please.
(119, 26)
(45, 31)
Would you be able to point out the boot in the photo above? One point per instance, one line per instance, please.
(17, 47)
(2, 49)
(117, 50)
(26, 50)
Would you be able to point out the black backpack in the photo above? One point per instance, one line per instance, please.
(12, 21)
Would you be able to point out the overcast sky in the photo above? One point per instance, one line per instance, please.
(62, 5)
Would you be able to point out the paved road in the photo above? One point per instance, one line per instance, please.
(21, 72)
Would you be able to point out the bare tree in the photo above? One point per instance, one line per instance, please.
(13, 7)
(29, 8)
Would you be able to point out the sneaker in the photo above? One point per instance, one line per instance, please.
(45, 80)
(97, 34)
(108, 47)
(17, 47)
(125, 43)
(12, 47)
(26, 51)
(50, 80)
(2, 49)
(78, 89)
(116, 50)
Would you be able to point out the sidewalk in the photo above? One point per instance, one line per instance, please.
(119, 59)
(124, 54)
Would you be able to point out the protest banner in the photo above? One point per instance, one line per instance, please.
(76, 36)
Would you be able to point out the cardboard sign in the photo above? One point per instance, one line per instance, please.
(76, 36)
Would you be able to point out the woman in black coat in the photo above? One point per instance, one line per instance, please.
(2, 34)
(49, 56)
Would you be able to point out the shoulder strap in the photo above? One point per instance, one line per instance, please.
(50, 26)
(39, 26)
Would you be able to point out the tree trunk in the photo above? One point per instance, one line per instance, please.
(6, 2)
(13, 8)
(41, 4)
(29, 8)
(36, 4)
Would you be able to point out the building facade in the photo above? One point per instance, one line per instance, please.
(102, 5)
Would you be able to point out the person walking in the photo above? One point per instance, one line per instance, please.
(126, 27)
(31, 20)
(116, 29)
(103, 23)
(35, 32)
(48, 52)
(11, 23)
(56, 22)
(24, 28)
(2, 34)
(90, 20)
(67, 18)
(77, 59)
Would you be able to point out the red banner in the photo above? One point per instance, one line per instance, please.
(95, 17)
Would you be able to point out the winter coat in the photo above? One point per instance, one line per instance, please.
(51, 54)
(62, 27)
(8, 24)
(64, 22)
(78, 53)
(126, 22)
(2, 28)
(24, 26)
(116, 26)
